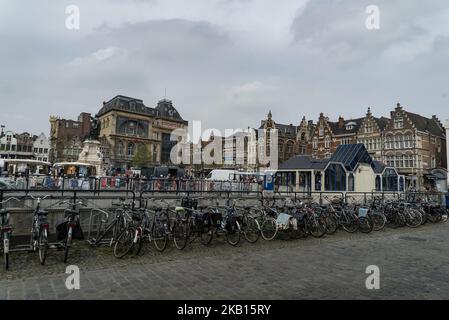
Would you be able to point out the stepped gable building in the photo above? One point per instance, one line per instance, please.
(411, 143)
(416, 146)
(126, 123)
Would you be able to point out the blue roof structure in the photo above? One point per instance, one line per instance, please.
(350, 155)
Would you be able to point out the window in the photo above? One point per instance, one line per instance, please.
(390, 180)
(289, 147)
(35, 150)
(303, 137)
(321, 131)
(327, 142)
(315, 143)
(76, 125)
(398, 123)
(335, 178)
(2, 147)
(45, 150)
(368, 128)
(44, 159)
(120, 149)
(130, 149)
(378, 184)
(318, 181)
(8, 138)
(40, 150)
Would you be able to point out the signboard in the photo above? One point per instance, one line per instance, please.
(268, 182)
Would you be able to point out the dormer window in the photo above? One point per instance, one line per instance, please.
(349, 127)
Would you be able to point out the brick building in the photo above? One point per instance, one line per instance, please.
(67, 136)
(413, 144)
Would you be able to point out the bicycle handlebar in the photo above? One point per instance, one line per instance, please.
(12, 198)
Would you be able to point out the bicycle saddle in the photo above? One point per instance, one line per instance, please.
(179, 209)
(42, 213)
(70, 211)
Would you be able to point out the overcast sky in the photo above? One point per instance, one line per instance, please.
(225, 62)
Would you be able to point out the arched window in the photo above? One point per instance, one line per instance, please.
(281, 146)
(378, 184)
(130, 149)
(335, 178)
(327, 142)
(120, 149)
(390, 180)
(318, 182)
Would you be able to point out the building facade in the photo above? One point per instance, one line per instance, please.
(413, 144)
(17, 145)
(127, 124)
(67, 136)
(41, 148)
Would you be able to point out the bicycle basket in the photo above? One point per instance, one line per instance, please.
(363, 212)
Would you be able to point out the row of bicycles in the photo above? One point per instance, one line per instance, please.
(40, 230)
(156, 223)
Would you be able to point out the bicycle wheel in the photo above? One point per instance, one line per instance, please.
(159, 236)
(269, 228)
(379, 221)
(317, 226)
(233, 234)
(67, 243)
(331, 224)
(206, 230)
(43, 245)
(251, 229)
(413, 218)
(349, 224)
(124, 242)
(435, 216)
(180, 234)
(366, 224)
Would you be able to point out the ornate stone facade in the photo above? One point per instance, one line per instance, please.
(126, 123)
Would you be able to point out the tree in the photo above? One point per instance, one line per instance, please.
(142, 157)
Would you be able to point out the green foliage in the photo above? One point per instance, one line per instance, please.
(142, 157)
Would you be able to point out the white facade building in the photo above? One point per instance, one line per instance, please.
(8, 145)
(41, 148)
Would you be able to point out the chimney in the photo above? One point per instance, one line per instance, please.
(398, 107)
(341, 122)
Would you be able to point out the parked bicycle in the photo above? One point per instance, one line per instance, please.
(40, 230)
(6, 230)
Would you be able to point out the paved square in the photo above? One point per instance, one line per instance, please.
(413, 263)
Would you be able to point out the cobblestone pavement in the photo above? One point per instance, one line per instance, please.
(414, 264)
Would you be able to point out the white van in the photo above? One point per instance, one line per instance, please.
(222, 175)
